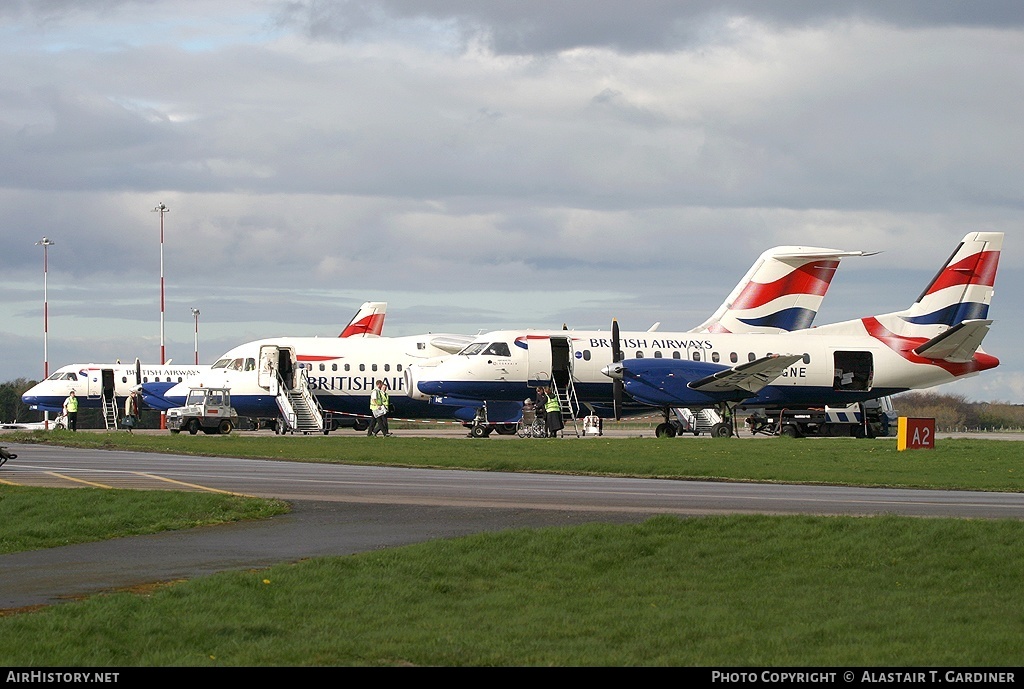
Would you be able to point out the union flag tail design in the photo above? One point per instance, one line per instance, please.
(961, 291)
(781, 292)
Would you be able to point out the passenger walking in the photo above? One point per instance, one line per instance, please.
(71, 409)
(380, 403)
(131, 410)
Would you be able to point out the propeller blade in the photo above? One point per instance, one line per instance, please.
(617, 387)
(138, 371)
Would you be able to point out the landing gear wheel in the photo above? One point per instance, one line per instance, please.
(479, 432)
(224, 427)
(361, 424)
(721, 430)
(506, 428)
(665, 430)
(789, 432)
(192, 426)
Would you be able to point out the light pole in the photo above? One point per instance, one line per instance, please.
(161, 209)
(46, 244)
(195, 314)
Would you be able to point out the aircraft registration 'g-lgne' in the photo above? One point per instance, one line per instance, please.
(781, 291)
(94, 382)
(935, 341)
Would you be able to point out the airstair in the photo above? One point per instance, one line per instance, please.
(568, 403)
(299, 407)
(697, 422)
(110, 412)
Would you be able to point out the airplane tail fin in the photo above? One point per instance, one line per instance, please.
(961, 291)
(368, 321)
(781, 292)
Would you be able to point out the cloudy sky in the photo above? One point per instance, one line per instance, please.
(490, 164)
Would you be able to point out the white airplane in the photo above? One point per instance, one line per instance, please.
(937, 340)
(782, 290)
(92, 381)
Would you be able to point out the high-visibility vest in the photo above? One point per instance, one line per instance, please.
(379, 399)
(71, 403)
(552, 404)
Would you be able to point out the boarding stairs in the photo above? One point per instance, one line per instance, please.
(110, 412)
(568, 403)
(697, 422)
(299, 407)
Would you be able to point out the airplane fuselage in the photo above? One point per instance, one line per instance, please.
(833, 368)
(89, 381)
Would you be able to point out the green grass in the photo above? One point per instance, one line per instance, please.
(32, 518)
(720, 591)
(955, 464)
(712, 591)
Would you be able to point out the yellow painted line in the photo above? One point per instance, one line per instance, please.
(190, 485)
(78, 480)
(9, 483)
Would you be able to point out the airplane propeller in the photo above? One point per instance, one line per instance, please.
(617, 386)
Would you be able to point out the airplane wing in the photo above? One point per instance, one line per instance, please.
(751, 376)
(958, 344)
(452, 344)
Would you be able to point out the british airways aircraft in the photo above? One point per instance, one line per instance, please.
(935, 341)
(782, 290)
(92, 381)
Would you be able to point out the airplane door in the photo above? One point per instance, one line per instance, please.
(107, 378)
(561, 361)
(266, 377)
(550, 358)
(853, 371)
(538, 351)
(93, 384)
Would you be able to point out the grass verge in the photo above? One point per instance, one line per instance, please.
(32, 518)
(725, 591)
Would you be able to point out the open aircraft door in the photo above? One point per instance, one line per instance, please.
(267, 376)
(549, 357)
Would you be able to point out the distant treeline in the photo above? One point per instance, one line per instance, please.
(955, 413)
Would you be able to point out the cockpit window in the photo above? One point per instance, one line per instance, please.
(221, 363)
(474, 349)
(498, 349)
(63, 375)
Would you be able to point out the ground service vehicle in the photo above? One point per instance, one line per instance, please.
(206, 409)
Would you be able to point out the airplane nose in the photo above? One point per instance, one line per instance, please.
(613, 371)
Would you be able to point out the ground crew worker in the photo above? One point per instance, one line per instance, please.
(553, 415)
(380, 403)
(71, 409)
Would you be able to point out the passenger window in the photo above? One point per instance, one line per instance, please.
(676, 355)
(696, 356)
(657, 354)
(639, 355)
(373, 367)
(751, 356)
(714, 357)
(398, 367)
(362, 367)
(807, 358)
(586, 355)
(334, 367)
(733, 358)
(348, 367)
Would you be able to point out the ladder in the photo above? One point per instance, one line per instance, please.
(697, 422)
(299, 407)
(110, 412)
(568, 403)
